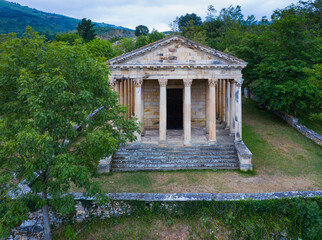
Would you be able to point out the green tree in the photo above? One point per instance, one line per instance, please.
(86, 30)
(67, 37)
(155, 36)
(192, 18)
(46, 89)
(125, 45)
(141, 30)
(141, 41)
(100, 48)
(290, 45)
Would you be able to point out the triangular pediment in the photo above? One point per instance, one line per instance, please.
(176, 50)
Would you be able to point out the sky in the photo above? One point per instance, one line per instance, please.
(157, 14)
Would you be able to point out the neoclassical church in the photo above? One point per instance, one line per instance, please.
(187, 97)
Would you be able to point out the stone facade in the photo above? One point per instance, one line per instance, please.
(207, 82)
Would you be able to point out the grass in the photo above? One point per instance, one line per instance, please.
(283, 160)
(147, 227)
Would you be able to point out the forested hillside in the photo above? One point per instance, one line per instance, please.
(14, 18)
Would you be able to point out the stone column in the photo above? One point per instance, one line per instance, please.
(121, 91)
(232, 108)
(223, 101)
(227, 104)
(163, 112)
(138, 102)
(187, 112)
(212, 110)
(238, 115)
(220, 98)
(125, 92)
(207, 108)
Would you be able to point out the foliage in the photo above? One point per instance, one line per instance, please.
(45, 90)
(192, 19)
(86, 30)
(155, 36)
(141, 30)
(67, 37)
(290, 45)
(296, 218)
(100, 48)
(141, 41)
(124, 45)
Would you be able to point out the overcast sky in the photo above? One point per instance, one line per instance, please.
(152, 13)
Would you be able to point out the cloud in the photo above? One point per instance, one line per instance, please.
(152, 13)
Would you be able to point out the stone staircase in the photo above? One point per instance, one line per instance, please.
(151, 157)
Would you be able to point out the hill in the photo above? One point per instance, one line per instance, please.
(14, 18)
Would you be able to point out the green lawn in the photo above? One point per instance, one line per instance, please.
(283, 160)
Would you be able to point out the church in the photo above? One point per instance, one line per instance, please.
(186, 96)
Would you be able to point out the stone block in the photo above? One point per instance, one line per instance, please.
(244, 156)
(104, 165)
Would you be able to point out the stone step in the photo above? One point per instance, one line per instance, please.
(144, 148)
(173, 158)
(118, 162)
(174, 153)
(171, 168)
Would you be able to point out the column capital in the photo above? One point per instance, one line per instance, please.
(163, 82)
(112, 81)
(138, 81)
(238, 82)
(212, 82)
(187, 82)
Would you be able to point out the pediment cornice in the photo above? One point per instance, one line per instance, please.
(121, 60)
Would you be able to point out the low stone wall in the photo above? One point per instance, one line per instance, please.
(86, 208)
(301, 128)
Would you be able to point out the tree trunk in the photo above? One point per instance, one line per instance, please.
(45, 213)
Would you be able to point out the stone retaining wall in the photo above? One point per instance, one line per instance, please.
(86, 208)
(301, 128)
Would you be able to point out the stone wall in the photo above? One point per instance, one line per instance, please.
(151, 101)
(198, 104)
(301, 128)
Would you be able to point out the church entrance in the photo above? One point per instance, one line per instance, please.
(174, 109)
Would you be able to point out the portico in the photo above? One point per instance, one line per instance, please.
(176, 83)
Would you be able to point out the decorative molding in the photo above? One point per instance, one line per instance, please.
(138, 81)
(177, 66)
(212, 82)
(163, 82)
(187, 82)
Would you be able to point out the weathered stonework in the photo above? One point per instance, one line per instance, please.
(210, 81)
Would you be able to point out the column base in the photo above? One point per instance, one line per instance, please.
(212, 142)
(187, 143)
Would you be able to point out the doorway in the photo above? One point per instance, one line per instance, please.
(174, 109)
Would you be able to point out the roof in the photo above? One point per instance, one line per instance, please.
(119, 60)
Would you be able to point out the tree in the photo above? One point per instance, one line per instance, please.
(100, 48)
(290, 45)
(141, 41)
(46, 89)
(125, 45)
(192, 18)
(86, 30)
(67, 37)
(155, 36)
(141, 30)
